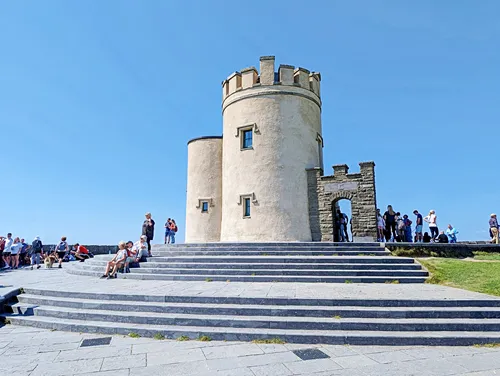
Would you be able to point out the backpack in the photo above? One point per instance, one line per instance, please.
(62, 246)
(37, 246)
(175, 228)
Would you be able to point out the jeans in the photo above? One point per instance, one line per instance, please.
(342, 232)
(35, 259)
(172, 237)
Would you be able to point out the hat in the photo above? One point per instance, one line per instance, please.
(144, 237)
(493, 215)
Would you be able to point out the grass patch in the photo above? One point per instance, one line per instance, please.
(337, 317)
(183, 338)
(159, 336)
(486, 256)
(208, 280)
(474, 276)
(489, 345)
(134, 335)
(392, 282)
(271, 341)
(204, 338)
(347, 281)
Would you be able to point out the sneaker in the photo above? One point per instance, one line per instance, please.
(60, 266)
(38, 267)
(103, 276)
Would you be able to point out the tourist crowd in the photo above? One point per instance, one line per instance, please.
(394, 227)
(16, 253)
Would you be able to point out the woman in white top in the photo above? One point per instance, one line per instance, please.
(380, 226)
(15, 249)
(431, 219)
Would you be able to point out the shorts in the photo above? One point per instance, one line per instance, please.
(418, 229)
(60, 254)
(130, 259)
(7, 254)
(82, 255)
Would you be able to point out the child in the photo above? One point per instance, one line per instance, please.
(117, 261)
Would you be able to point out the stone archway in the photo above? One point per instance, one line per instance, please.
(345, 218)
(358, 188)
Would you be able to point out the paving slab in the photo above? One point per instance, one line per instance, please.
(47, 279)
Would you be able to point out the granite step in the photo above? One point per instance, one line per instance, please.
(152, 264)
(286, 259)
(270, 322)
(200, 299)
(270, 244)
(380, 312)
(263, 252)
(252, 272)
(257, 278)
(389, 338)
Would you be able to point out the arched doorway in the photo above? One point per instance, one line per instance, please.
(342, 220)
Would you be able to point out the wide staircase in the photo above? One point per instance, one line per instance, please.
(269, 262)
(328, 321)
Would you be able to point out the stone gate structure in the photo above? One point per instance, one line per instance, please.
(325, 192)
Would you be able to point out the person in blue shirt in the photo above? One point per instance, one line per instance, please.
(452, 234)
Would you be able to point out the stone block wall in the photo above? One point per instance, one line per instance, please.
(325, 191)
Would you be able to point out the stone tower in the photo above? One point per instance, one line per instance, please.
(272, 134)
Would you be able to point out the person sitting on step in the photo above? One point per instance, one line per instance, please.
(116, 262)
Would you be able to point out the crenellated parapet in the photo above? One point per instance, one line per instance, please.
(286, 75)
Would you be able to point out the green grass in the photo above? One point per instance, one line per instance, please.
(487, 256)
(347, 281)
(159, 336)
(469, 275)
(204, 338)
(490, 345)
(272, 341)
(183, 338)
(133, 335)
(337, 317)
(208, 280)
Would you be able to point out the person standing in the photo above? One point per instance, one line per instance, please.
(451, 233)
(341, 228)
(167, 231)
(380, 226)
(61, 250)
(494, 228)
(23, 260)
(15, 250)
(390, 222)
(6, 253)
(431, 219)
(419, 226)
(37, 247)
(173, 230)
(408, 223)
(148, 229)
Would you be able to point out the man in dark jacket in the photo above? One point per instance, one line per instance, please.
(148, 229)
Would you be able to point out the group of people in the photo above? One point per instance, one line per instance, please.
(394, 227)
(130, 254)
(16, 253)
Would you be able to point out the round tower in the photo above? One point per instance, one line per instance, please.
(204, 190)
(272, 134)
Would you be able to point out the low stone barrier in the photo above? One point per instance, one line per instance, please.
(458, 250)
(95, 249)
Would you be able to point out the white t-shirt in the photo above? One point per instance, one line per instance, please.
(121, 254)
(15, 248)
(380, 221)
(8, 244)
(432, 220)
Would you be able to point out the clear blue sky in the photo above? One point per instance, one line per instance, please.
(98, 100)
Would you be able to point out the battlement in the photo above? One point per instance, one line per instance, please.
(286, 75)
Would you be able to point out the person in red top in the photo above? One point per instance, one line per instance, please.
(80, 252)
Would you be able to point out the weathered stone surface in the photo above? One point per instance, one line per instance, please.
(325, 191)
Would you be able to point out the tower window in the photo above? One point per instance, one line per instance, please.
(246, 207)
(247, 139)
(204, 207)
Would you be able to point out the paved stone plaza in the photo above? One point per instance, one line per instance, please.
(29, 351)
(35, 352)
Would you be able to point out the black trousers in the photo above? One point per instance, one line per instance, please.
(434, 232)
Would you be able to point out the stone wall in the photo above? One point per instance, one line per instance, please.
(325, 191)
